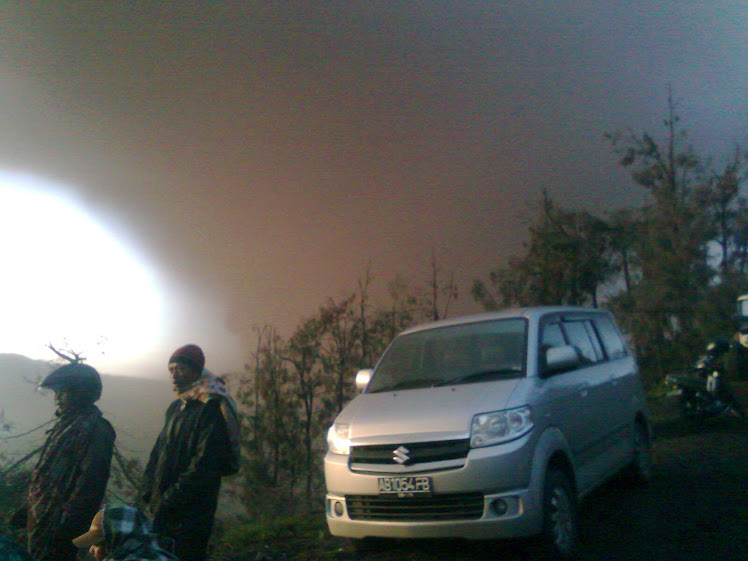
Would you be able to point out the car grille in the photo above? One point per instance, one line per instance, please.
(418, 453)
(463, 506)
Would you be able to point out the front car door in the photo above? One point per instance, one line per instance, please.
(584, 398)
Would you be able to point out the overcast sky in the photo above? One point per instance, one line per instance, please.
(254, 157)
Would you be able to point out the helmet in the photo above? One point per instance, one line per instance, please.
(80, 378)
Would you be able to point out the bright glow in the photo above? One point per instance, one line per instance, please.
(67, 281)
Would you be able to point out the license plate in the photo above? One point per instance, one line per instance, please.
(405, 486)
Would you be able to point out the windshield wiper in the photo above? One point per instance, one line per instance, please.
(475, 376)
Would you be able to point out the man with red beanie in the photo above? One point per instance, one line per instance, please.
(198, 446)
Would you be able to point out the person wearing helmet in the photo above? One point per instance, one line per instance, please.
(68, 482)
(196, 448)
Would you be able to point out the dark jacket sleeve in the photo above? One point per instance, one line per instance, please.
(206, 464)
(146, 486)
(88, 493)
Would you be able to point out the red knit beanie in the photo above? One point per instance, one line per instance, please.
(191, 354)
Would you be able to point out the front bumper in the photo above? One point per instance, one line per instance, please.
(500, 474)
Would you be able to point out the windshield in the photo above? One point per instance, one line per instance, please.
(460, 354)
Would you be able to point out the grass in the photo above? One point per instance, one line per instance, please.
(301, 537)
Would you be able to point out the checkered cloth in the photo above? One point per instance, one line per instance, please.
(128, 536)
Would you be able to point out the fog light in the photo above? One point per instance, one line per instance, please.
(338, 508)
(499, 507)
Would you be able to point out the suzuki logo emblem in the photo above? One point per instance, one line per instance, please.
(401, 455)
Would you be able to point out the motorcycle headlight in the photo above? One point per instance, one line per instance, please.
(489, 429)
(337, 439)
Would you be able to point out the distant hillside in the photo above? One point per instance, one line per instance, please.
(134, 406)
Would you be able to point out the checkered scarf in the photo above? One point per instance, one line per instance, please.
(128, 536)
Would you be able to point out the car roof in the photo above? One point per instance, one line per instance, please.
(530, 313)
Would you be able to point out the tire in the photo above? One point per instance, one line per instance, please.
(639, 471)
(558, 540)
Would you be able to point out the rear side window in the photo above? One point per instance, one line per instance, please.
(614, 345)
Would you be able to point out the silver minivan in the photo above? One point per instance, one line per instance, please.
(488, 426)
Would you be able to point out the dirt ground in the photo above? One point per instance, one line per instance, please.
(695, 508)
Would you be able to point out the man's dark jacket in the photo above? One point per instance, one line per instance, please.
(68, 483)
(182, 480)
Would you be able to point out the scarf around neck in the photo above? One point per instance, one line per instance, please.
(208, 387)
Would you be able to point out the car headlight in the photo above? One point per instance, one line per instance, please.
(337, 439)
(489, 429)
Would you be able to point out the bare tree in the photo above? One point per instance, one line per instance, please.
(303, 352)
(437, 290)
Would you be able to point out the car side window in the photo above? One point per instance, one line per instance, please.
(614, 345)
(581, 334)
(552, 336)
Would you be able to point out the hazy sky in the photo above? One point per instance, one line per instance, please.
(247, 160)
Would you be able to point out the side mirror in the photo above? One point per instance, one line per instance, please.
(362, 378)
(561, 359)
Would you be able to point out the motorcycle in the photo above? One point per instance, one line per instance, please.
(706, 393)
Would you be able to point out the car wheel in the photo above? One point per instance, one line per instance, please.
(639, 471)
(558, 539)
